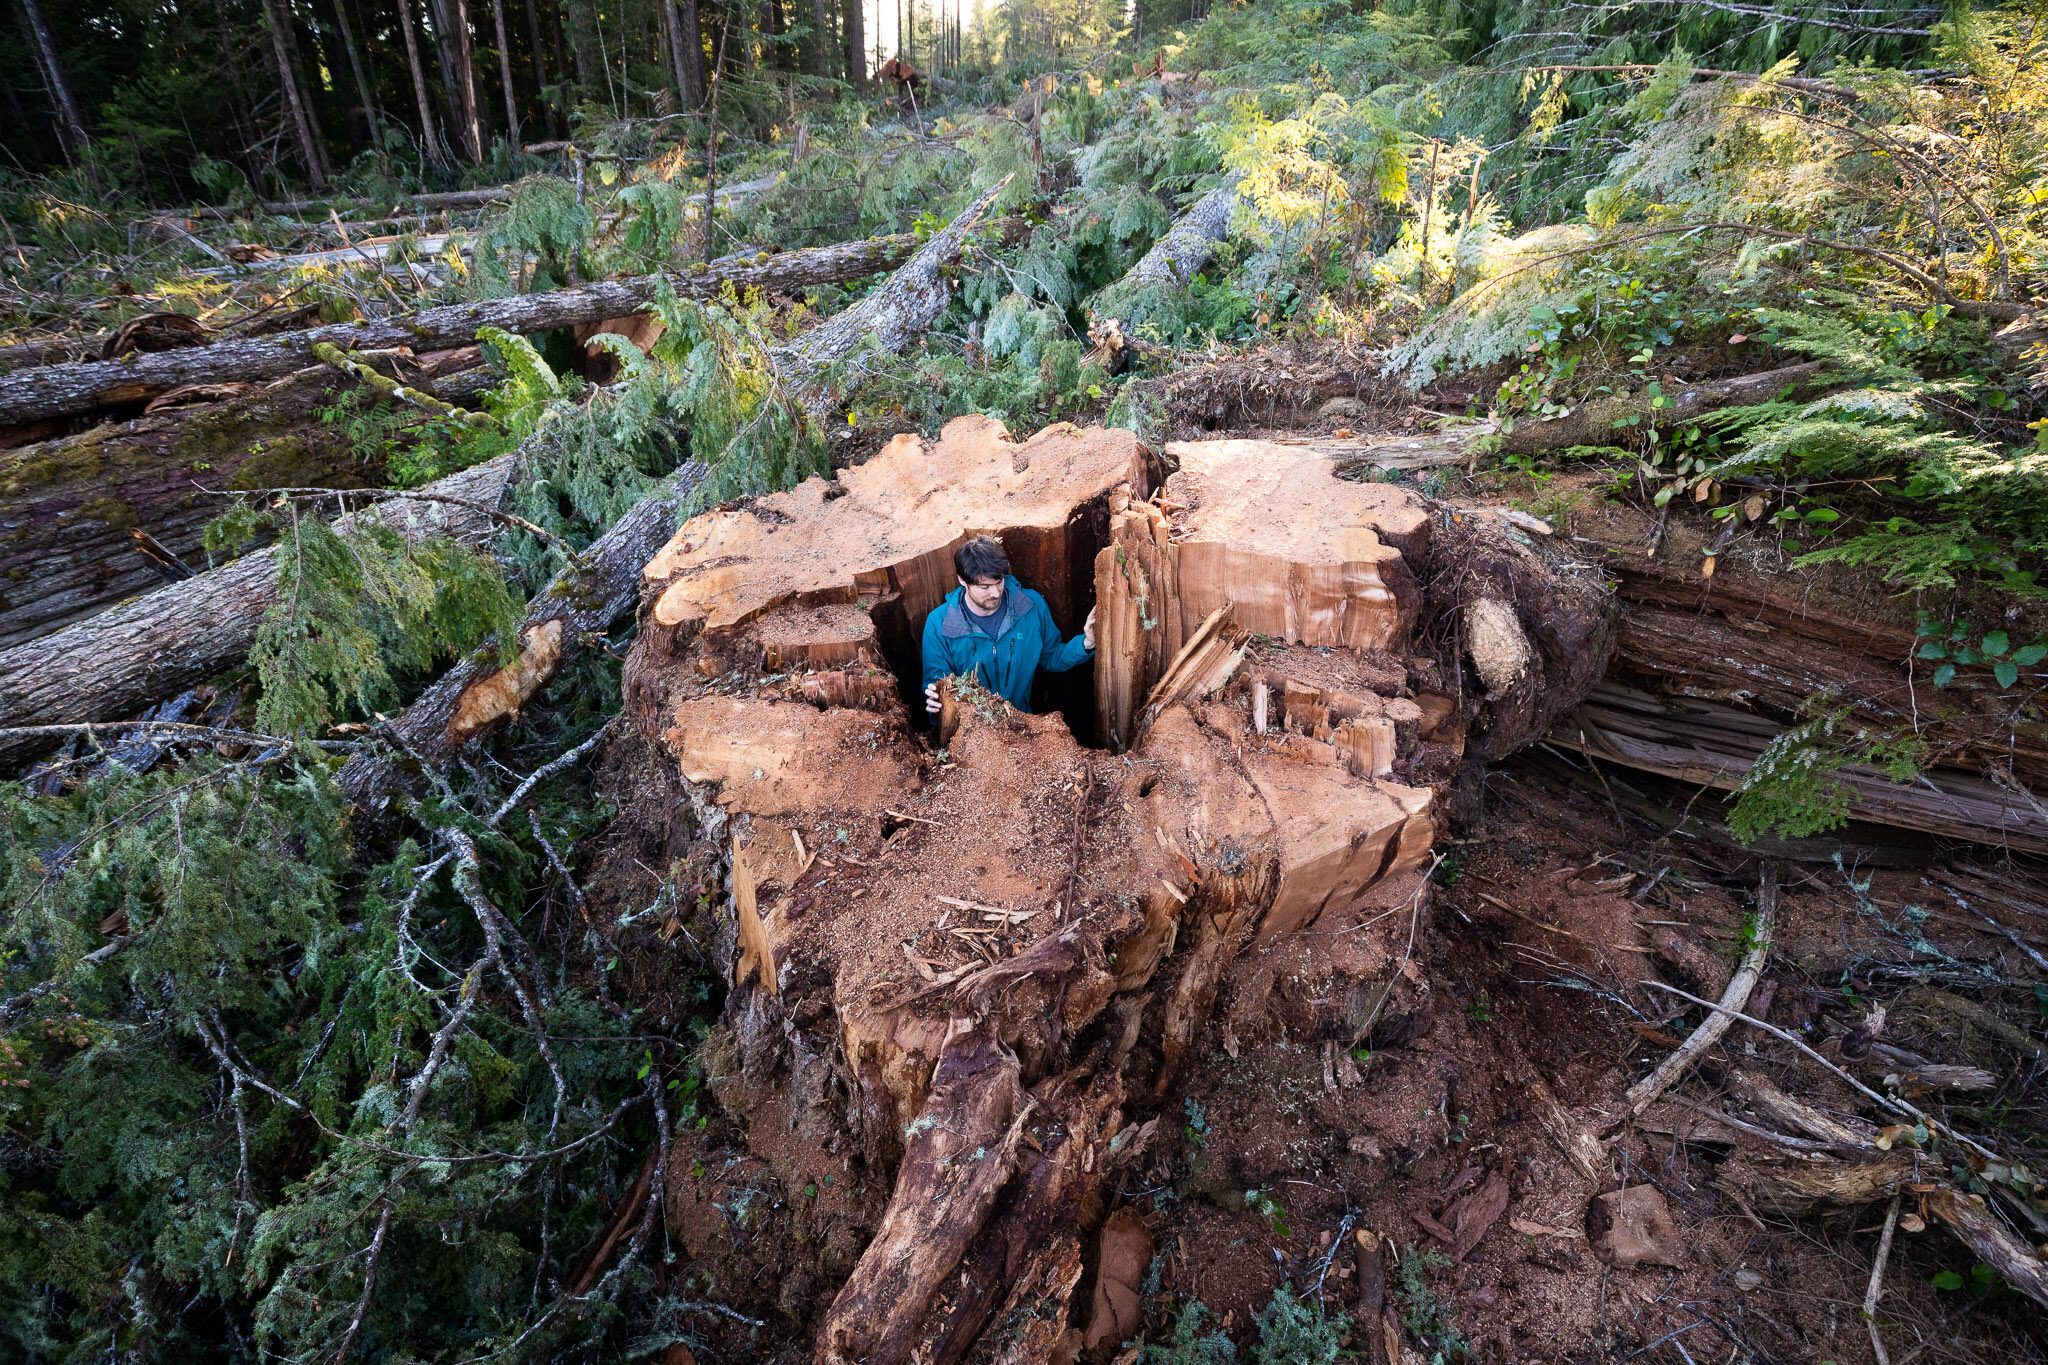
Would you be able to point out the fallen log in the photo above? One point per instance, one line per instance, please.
(477, 695)
(59, 390)
(1176, 258)
(1612, 421)
(1714, 745)
(480, 693)
(114, 664)
(973, 975)
(1598, 422)
(75, 510)
(425, 203)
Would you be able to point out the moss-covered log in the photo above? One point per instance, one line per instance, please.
(114, 664)
(87, 519)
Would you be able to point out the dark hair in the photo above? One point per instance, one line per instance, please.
(981, 557)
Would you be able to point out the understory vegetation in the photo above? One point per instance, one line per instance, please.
(280, 1080)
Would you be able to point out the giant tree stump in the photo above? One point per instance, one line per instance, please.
(969, 959)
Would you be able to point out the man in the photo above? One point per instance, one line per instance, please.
(994, 629)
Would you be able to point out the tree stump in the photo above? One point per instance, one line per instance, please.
(970, 960)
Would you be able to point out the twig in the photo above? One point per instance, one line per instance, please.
(1890, 1102)
(542, 773)
(213, 732)
(2017, 941)
(1643, 1092)
(1870, 1295)
(355, 1324)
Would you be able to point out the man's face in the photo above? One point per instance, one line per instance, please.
(983, 595)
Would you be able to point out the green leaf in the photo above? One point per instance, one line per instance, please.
(1948, 1279)
(2026, 656)
(1664, 494)
(1995, 644)
(2006, 671)
(1944, 675)
(1933, 649)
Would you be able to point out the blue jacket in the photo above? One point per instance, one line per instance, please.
(1027, 641)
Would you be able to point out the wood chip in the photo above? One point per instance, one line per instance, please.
(959, 904)
(1174, 891)
(924, 969)
(1529, 1229)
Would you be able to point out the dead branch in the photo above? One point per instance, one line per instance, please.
(1643, 1092)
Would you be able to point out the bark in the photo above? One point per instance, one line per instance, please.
(856, 45)
(458, 67)
(1606, 421)
(1179, 256)
(421, 203)
(63, 108)
(53, 391)
(1713, 744)
(892, 317)
(505, 72)
(689, 53)
(114, 664)
(429, 136)
(75, 511)
(295, 99)
(822, 35)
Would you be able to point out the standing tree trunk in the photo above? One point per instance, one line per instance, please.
(430, 137)
(70, 127)
(294, 98)
(583, 46)
(371, 115)
(856, 46)
(821, 40)
(540, 69)
(451, 19)
(690, 52)
(505, 72)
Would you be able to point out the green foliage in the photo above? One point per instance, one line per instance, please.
(1190, 1344)
(1425, 1317)
(357, 602)
(542, 220)
(1793, 789)
(1298, 1331)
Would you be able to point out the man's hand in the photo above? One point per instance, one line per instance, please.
(931, 697)
(1088, 630)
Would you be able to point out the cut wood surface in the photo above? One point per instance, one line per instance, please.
(27, 395)
(1295, 553)
(110, 666)
(954, 927)
(724, 569)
